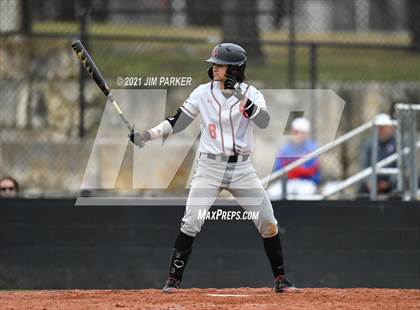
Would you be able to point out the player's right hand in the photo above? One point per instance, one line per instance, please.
(139, 138)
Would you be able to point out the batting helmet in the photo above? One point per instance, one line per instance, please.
(228, 54)
(232, 55)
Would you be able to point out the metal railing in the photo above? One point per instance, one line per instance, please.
(278, 174)
(369, 171)
(406, 137)
(376, 168)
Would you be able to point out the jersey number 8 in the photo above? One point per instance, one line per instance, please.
(212, 130)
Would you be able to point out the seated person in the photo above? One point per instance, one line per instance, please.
(387, 146)
(303, 180)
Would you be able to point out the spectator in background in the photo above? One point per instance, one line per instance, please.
(387, 146)
(303, 180)
(9, 187)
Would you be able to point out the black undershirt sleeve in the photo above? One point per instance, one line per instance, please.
(262, 119)
(179, 121)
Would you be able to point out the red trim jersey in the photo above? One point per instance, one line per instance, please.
(224, 128)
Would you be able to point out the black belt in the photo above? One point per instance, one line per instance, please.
(222, 157)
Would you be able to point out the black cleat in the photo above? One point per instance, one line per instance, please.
(171, 285)
(283, 285)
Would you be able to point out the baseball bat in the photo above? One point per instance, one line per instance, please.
(96, 75)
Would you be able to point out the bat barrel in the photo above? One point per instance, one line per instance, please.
(90, 66)
(96, 75)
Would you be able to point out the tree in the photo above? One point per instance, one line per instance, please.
(240, 27)
(204, 12)
(413, 8)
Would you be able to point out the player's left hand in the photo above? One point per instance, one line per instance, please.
(139, 138)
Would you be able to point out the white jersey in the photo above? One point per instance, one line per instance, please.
(224, 128)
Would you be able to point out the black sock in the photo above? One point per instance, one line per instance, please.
(180, 255)
(274, 253)
(183, 242)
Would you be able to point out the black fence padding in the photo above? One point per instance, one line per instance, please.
(51, 244)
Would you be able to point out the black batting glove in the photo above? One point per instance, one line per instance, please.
(139, 139)
(230, 82)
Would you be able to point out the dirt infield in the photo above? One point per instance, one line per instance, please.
(243, 298)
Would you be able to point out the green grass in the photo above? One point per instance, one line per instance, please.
(333, 64)
(198, 32)
(146, 58)
(127, 29)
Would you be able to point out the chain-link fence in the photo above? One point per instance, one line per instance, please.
(368, 51)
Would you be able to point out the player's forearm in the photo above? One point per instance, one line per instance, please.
(258, 115)
(171, 125)
(164, 129)
(261, 118)
(179, 121)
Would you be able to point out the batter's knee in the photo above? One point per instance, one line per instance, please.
(268, 229)
(190, 229)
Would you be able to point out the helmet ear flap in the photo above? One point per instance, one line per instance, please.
(210, 73)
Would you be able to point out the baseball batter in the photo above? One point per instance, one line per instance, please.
(229, 108)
